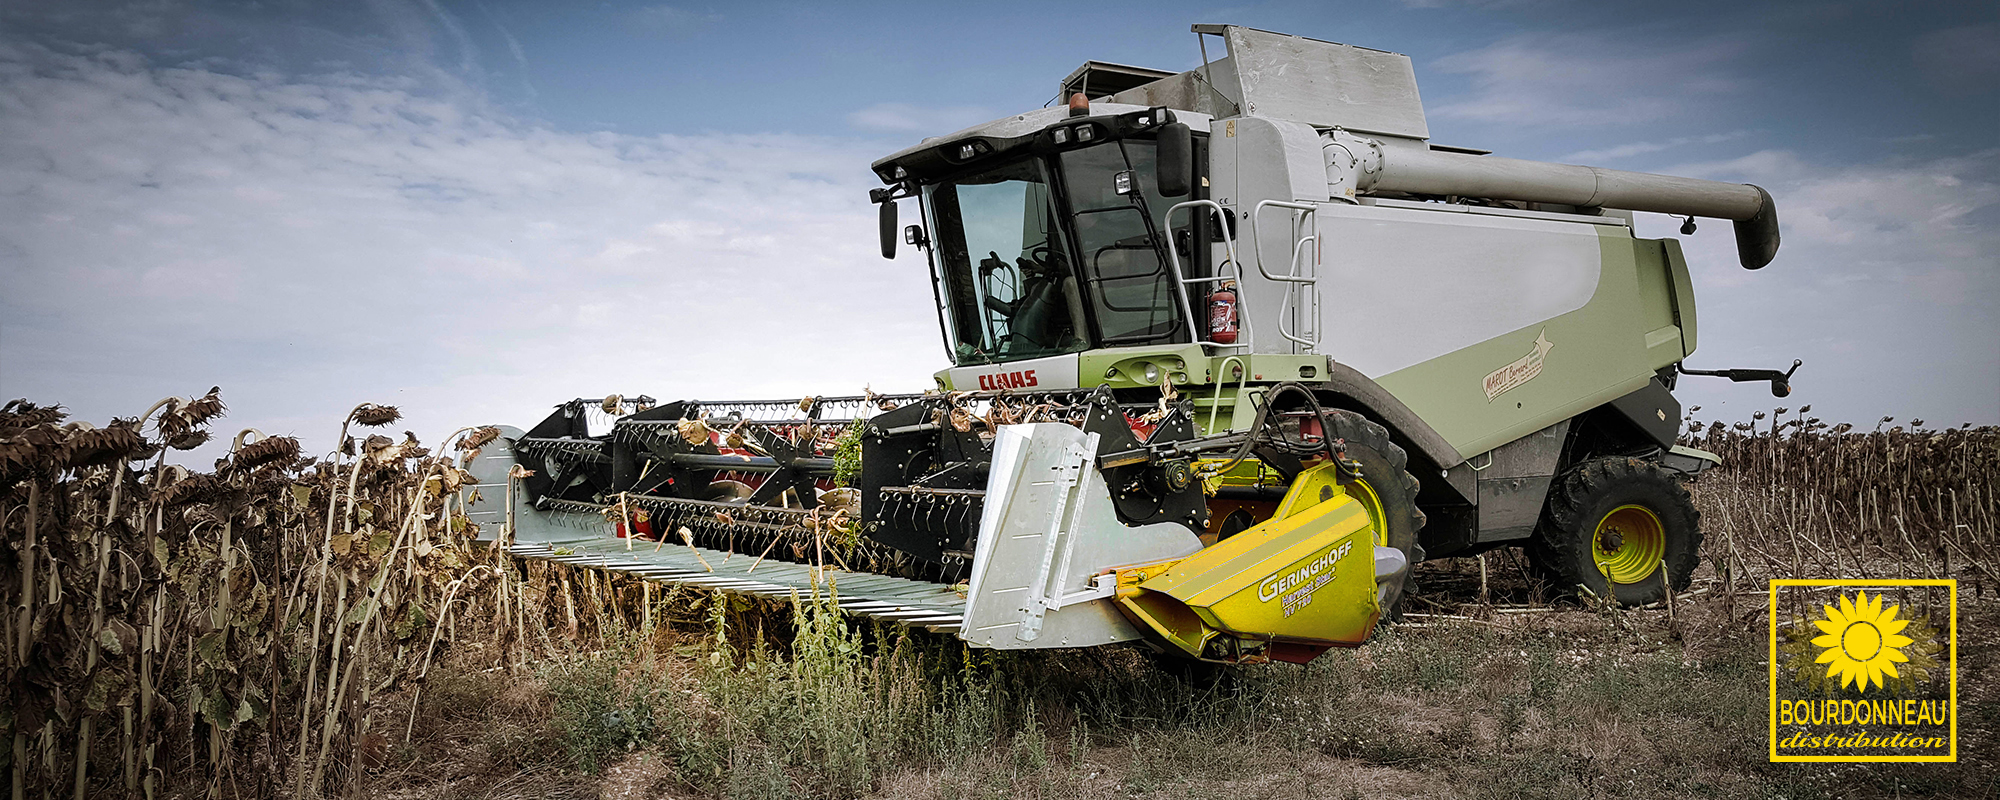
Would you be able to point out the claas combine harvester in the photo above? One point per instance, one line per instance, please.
(1231, 350)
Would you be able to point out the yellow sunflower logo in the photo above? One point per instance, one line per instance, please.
(1863, 642)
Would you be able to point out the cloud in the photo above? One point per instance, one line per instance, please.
(468, 53)
(1432, 4)
(314, 243)
(102, 18)
(673, 21)
(418, 42)
(907, 118)
(1958, 59)
(1884, 285)
(1642, 148)
(1589, 78)
(514, 49)
(1918, 210)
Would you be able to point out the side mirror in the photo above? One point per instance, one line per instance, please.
(888, 221)
(914, 235)
(1175, 164)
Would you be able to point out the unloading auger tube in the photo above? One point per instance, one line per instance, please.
(1017, 519)
(1358, 163)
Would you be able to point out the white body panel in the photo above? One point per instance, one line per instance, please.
(1397, 285)
(1253, 159)
(1402, 286)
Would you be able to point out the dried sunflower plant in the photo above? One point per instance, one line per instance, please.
(222, 633)
(1799, 497)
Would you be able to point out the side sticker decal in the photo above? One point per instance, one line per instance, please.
(1521, 371)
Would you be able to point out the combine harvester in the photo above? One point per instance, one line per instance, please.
(1232, 349)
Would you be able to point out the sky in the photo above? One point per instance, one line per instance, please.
(477, 210)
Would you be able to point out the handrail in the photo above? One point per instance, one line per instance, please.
(1294, 293)
(1242, 380)
(1302, 295)
(1235, 271)
(1257, 242)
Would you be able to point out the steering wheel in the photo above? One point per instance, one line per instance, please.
(1042, 257)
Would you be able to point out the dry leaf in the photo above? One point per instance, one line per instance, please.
(694, 431)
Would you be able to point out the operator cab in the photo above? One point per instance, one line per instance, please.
(1045, 231)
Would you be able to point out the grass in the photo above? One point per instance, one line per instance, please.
(1558, 703)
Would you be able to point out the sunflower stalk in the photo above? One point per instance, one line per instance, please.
(376, 590)
(26, 619)
(325, 565)
(101, 542)
(424, 671)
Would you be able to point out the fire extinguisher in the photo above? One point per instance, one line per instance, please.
(1222, 314)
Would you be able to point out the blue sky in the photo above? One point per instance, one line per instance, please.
(479, 209)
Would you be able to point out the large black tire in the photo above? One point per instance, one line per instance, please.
(1591, 536)
(1384, 474)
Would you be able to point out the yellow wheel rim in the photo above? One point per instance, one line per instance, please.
(1629, 544)
(1360, 490)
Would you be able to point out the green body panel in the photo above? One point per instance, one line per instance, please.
(1212, 383)
(1639, 319)
(1593, 355)
(1125, 367)
(1656, 303)
(1683, 284)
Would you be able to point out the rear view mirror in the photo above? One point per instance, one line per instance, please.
(888, 221)
(1175, 167)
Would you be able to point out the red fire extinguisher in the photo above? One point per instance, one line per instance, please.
(1222, 314)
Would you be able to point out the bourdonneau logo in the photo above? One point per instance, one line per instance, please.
(1523, 369)
(1864, 671)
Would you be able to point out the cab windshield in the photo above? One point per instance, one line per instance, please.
(1031, 262)
(1010, 290)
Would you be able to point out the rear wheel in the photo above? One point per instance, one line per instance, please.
(1618, 527)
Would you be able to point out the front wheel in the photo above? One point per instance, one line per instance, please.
(1618, 527)
(1385, 488)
